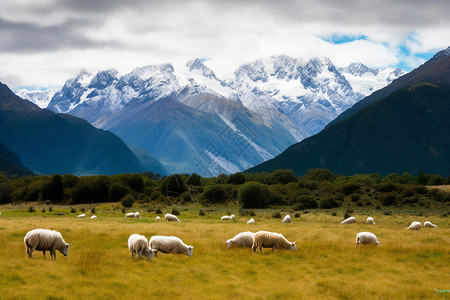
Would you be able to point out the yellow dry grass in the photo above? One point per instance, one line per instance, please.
(328, 265)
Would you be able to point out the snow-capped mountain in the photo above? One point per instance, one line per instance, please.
(365, 80)
(311, 93)
(271, 104)
(39, 97)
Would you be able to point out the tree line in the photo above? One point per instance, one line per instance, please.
(318, 188)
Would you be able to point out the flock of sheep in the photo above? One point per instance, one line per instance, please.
(51, 240)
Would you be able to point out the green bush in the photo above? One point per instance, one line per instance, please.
(254, 195)
(117, 191)
(319, 175)
(328, 202)
(194, 179)
(389, 199)
(349, 187)
(173, 185)
(201, 213)
(276, 215)
(215, 193)
(236, 178)
(128, 200)
(175, 212)
(305, 202)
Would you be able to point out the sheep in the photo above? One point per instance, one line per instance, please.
(414, 226)
(266, 239)
(349, 220)
(137, 215)
(228, 218)
(171, 218)
(130, 215)
(94, 217)
(81, 216)
(45, 240)
(429, 224)
(370, 221)
(366, 238)
(287, 219)
(139, 244)
(251, 221)
(170, 244)
(243, 240)
(158, 218)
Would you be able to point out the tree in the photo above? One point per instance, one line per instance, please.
(91, 189)
(194, 179)
(236, 178)
(254, 195)
(53, 189)
(173, 185)
(319, 175)
(283, 176)
(215, 193)
(117, 191)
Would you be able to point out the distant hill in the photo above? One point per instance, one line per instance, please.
(436, 70)
(11, 164)
(405, 131)
(51, 143)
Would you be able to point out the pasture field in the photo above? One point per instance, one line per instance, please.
(327, 265)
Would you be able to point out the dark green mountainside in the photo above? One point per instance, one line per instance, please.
(436, 71)
(409, 130)
(10, 163)
(51, 143)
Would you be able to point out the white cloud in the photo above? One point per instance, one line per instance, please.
(51, 40)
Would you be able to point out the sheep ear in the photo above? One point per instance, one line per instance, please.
(154, 250)
(69, 244)
(293, 243)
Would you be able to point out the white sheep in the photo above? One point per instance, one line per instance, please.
(366, 238)
(251, 221)
(415, 226)
(158, 218)
(137, 215)
(94, 217)
(81, 216)
(429, 224)
(228, 218)
(243, 240)
(287, 219)
(130, 215)
(171, 218)
(139, 244)
(370, 221)
(170, 244)
(350, 220)
(266, 239)
(45, 240)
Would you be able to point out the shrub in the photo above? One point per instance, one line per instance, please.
(436, 180)
(328, 202)
(117, 191)
(276, 215)
(385, 187)
(251, 213)
(236, 178)
(319, 175)
(254, 195)
(31, 209)
(334, 214)
(305, 202)
(128, 200)
(173, 185)
(175, 212)
(387, 213)
(50, 209)
(82, 209)
(349, 187)
(195, 179)
(389, 199)
(359, 203)
(73, 210)
(158, 211)
(297, 215)
(201, 213)
(355, 197)
(93, 210)
(43, 210)
(215, 193)
(348, 213)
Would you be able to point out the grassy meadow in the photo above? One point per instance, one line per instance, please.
(327, 265)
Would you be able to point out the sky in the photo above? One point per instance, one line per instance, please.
(45, 42)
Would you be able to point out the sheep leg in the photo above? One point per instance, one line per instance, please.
(43, 253)
(139, 254)
(132, 254)
(53, 254)
(30, 251)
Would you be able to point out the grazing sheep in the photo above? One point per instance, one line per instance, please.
(366, 238)
(370, 221)
(243, 240)
(228, 218)
(266, 239)
(350, 220)
(287, 219)
(251, 221)
(130, 215)
(170, 244)
(94, 217)
(137, 215)
(139, 244)
(429, 224)
(232, 217)
(415, 226)
(45, 240)
(81, 216)
(171, 218)
(158, 218)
